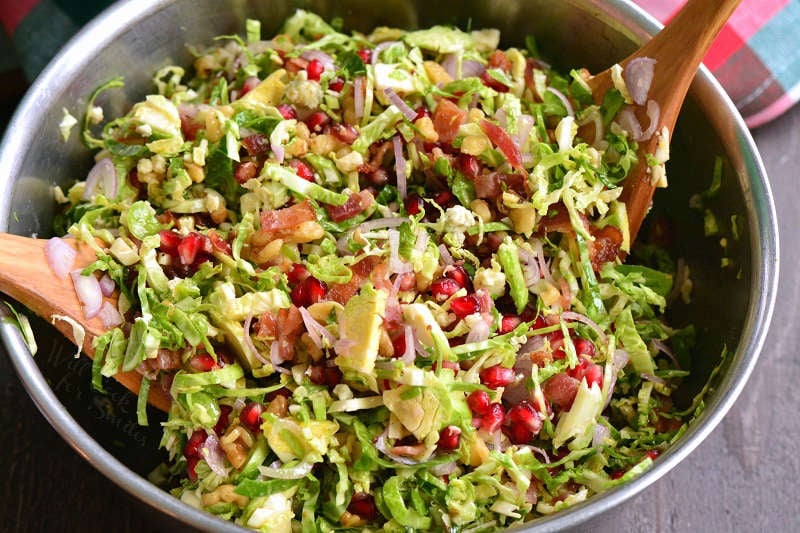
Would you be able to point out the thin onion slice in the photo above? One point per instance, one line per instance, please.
(394, 98)
(400, 166)
(211, 452)
(103, 176)
(60, 256)
(378, 223)
(444, 253)
(450, 65)
(577, 317)
(663, 348)
(410, 352)
(107, 285)
(322, 57)
(564, 100)
(471, 68)
(638, 76)
(618, 362)
(248, 341)
(89, 293)
(316, 331)
(601, 433)
(276, 359)
(278, 150)
(479, 332)
(380, 48)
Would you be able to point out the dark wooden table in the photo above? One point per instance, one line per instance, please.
(742, 478)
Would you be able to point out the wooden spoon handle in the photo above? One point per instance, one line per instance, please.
(26, 276)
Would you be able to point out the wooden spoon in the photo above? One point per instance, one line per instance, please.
(25, 275)
(678, 50)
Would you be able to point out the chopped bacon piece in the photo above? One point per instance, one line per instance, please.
(284, 329)
(287, 217)
(605, 247)
(498, 59)
(341, 292)
(504, 143)
(560, 390)
(356, 204)
(488, 185)
(447, 118)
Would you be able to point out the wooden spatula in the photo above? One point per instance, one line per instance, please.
(678, 50)
(26, 276)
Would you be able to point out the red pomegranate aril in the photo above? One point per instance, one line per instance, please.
(248, 85)
(363, 505)
(464, 305)
(287, 111)
(336, 85)
(449, 438)
(245, 171)
(493, 419)
(469, 165)
(444, 288)
(224, 419)
(314, 69)
(256, 144)
(508, 323)
(317, 121)
(444, 199)
(191, 467)
(190, 246)
(652, 454)
(525, 415)
(365, 54)
(497, 376)
(459, 275)
(422, 112)
(413, 204)
(593, 375)
(202, 362)
(309, 291)
(345, 133)
(399, 345)
(302, 169)
(297, 273)
(218, 243)
(616, 474)
(584, 347)
(518, 434)
(560, 390)
(479, 402)
(539, 323)
(169, 241)
(192, 446)
(250, 416)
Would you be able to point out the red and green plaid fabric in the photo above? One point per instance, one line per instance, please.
(756, 57)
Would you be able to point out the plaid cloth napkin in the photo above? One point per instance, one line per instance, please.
(756, 57)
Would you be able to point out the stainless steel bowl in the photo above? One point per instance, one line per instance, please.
(731, 306)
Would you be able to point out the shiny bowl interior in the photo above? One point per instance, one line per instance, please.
(730, 306)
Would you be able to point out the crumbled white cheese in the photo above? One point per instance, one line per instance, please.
(66, 124)
(145, 130)
(457, 220)
(304, 93)
(491, 280)
(96, 114)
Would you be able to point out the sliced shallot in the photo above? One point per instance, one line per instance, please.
(89, 293)
(400, 166)
(109, 315)
(60, 256)
(103, 176)
(638, 76)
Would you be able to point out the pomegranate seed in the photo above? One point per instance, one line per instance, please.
(459, 275)
(192, 447)
(287, 111)
(593, 375)
(493, 419)
(444, 288)
(539, 323)
(317, 121)
(469, 165)
(283, 391)
(518, 434)
(190, 246)
(245, 171)
(224, 419)
(336, 85)
(224, 358)
(413, 204)
(309, 291)
(256, 144)
(616, 474)
(250, 417)
(497, 376)
(314, 69)
(191, 467)
(169, 241)
(493, 83)
(363, 505)
(302, 169)
(324, 375)
(345, 133)
(449, 438)
(560, 390)
(202, 362)
(478, 402)
(444, 199)
(508, 323)
(525, 415)
(652, 454)
(365, 54)
(399, 345)
(465, 305)
(248, 85)
(297, 273)
(584, 347)
(422, 112)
